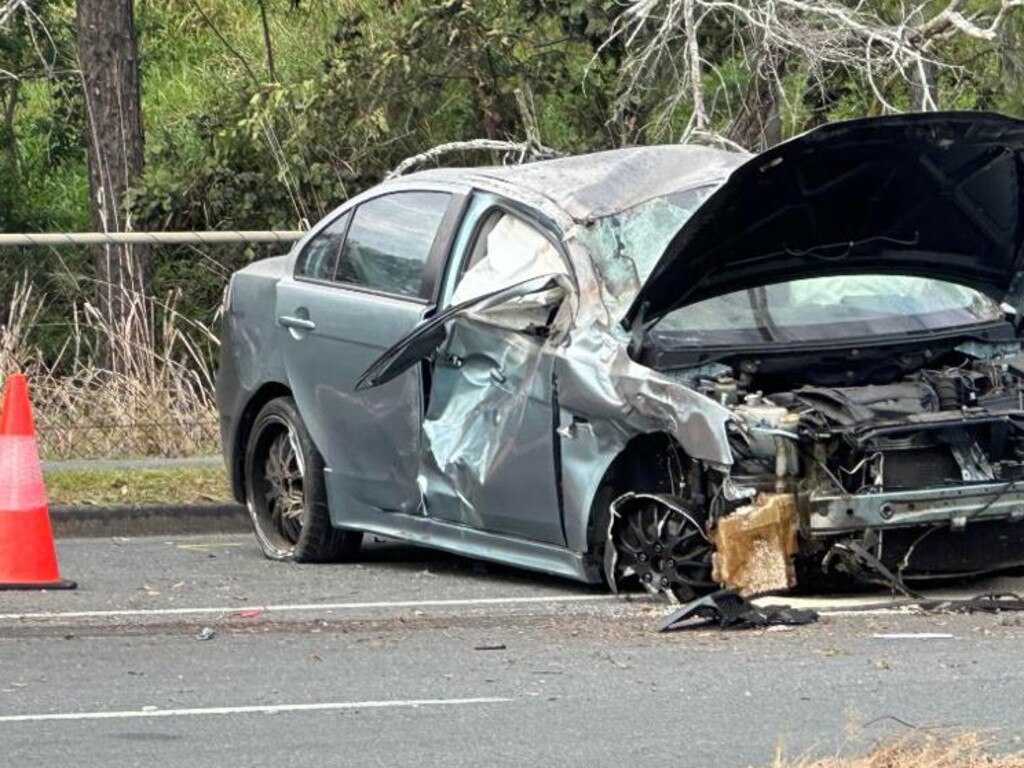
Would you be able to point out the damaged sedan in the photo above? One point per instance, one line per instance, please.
(677, 367)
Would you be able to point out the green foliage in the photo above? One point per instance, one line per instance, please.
(391, 82)
(41, 123)
(357, 86)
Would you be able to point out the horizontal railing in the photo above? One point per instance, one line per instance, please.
(217, 237)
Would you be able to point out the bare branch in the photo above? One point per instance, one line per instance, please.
(524, 150)
(700, 117)
(8, 8)
(951, 17)
(663, 41)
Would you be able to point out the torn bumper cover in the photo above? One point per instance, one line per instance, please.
(909, 534)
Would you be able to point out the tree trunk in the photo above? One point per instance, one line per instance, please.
(109, 60)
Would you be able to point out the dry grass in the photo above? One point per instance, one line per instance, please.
(159, 401)
(966, 750)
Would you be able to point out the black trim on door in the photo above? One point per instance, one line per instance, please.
(441, 249)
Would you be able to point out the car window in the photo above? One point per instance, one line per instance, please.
(320, 256)
(819, 308)
(389, 241)
(509, 250)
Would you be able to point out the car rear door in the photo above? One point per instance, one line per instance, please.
(361, 282)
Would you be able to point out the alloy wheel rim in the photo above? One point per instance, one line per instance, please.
(665, 550)
(285, 490)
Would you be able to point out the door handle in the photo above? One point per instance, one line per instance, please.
(299, 323)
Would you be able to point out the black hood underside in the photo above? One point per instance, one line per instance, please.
(935, 195)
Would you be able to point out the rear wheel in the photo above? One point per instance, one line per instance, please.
(286, 493)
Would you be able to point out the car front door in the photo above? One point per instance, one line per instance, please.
(360, 283)
(489, 450)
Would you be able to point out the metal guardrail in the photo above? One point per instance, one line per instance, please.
(219, 237)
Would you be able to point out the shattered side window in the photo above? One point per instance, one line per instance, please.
(628, 245)
(508, 251)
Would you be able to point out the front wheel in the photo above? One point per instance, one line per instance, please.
(659, 541)
(286, 493)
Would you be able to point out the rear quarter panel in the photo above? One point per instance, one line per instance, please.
(248, 360)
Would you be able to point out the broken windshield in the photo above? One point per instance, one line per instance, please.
(629, 244)
(821, 308)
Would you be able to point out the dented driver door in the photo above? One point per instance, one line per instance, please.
(488, 458)
(489, 451)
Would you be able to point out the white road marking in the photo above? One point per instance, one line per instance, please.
(850, 605)
(229, 609)
(267, 709)
(866, 612)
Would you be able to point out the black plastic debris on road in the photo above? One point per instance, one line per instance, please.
(729, 610)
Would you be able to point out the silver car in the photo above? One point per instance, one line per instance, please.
(676, 366)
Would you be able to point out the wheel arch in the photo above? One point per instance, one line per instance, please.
(632, 469)
(267, 392)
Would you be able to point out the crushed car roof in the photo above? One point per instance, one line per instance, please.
(605, 183)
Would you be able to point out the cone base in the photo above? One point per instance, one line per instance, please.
(59, 584)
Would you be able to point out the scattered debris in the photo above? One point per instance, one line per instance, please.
(989, 602)
(250, 614)
(495, 647)
(854, 560)
(206, 633)
(993, 602)
(731, 610)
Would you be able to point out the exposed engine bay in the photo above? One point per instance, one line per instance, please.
(881, 481)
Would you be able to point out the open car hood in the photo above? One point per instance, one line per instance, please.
(935, 195)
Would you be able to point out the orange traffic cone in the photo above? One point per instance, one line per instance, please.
(28, 559)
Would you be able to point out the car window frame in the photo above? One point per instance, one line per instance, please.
(459, 263)
(437, 256)
(302, 259)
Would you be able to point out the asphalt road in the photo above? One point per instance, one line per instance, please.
(410, 658)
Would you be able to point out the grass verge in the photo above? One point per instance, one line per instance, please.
(180, 485)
